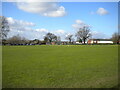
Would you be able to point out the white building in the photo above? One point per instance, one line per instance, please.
(100, 41)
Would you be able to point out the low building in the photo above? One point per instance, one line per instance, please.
(100, 41)
(64, 42)
(78, 43)
(53, 43)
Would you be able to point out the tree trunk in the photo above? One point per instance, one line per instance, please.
(84, 41)
(70, 41)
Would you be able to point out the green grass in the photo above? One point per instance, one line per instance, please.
(80, 66)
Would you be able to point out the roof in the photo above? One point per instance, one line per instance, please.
(101, 39)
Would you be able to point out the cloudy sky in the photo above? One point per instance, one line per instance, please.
(33, 20)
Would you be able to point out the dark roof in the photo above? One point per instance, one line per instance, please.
(102, 39)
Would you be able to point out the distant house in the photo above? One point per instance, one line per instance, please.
(100, 41)
(53, 43)
(64, 42)
(78, 43)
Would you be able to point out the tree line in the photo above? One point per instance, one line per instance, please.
(82, 35)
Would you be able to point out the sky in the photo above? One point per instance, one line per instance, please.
(34, 20)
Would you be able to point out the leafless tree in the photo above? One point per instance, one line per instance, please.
(58, 40)
(83, 33)
(17, 40)
(69, 37)
(116, 38)
(4, 27)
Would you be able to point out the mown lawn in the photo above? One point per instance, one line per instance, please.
(74, 66)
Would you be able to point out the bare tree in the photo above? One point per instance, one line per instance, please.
(79, 39)
(83, 34)
(50, 37)
(17, 40)
(58, 40)
(116, 38)
(69, 37)
(36, 41)
(4, 27)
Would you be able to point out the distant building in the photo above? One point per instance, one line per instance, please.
(78, 43)
(64, 42)
(53, 43)
(100, 41)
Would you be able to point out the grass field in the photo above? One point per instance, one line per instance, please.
(80, 66)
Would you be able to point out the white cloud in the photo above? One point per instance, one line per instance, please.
(60, 31)
(79, 24)
(19, 27)
(68, 34)
(41, 30)
(40, 33)
(99, 35)
(19, 23)
(24, 29)
(102, 11)
(95, 34)
(50, 9)
(58, 13)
